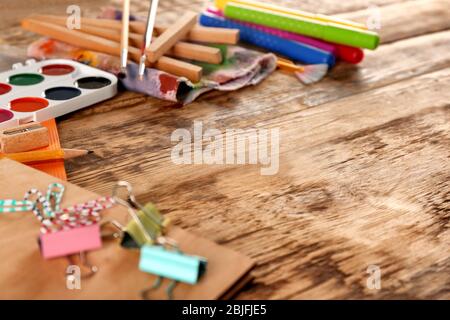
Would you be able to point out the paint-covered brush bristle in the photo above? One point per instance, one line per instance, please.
(312, 73)
(141, 70)
(122, 74)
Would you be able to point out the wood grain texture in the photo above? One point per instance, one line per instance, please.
(425, 15)
(364, 163)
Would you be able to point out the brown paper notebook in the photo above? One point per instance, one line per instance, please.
(24, 274)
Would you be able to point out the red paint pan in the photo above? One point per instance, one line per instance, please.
(57, 69)
(28, 104)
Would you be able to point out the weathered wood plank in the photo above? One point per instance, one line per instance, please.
(408, 19)
(350, 193)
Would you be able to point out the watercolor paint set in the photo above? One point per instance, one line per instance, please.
(39, 91)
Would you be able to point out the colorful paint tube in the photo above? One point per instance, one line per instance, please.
(322, 30)
(342, 52)
(293, 50)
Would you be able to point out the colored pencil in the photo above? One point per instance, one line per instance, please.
(45, 155)
(292, 49)
(221, 4)
(342, 52)
(322, 30)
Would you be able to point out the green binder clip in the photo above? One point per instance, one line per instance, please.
(134, 237)
(147, 224)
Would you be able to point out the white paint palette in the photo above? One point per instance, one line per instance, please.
(38, 91)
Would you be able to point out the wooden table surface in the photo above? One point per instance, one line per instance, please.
(364, 158)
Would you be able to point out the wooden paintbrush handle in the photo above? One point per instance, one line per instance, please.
(124, 33)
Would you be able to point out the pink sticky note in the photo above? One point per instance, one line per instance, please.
(64, 243)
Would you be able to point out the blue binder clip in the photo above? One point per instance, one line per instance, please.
(171, 264)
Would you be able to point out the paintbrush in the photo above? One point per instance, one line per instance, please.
(306, 74)
(124, 37)
(151, 18)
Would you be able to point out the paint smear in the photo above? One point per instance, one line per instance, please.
(168, 83)
(28, 104)
(57, 69)
(5, 115)
(92, 83)
(61, 93)
(4, 88)
(25, 79)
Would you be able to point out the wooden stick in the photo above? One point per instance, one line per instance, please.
(75, 37)
(103, 23)
(168, 38)
(183, 50)
(135, 40)
(196, 52)
(214, 35)
(95, 43)
(124, 35)
(208, 35)
(198, 33)
(179, 68)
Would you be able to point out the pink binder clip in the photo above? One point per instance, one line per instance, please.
(67, 231)
(64, 231)
(67, 242)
